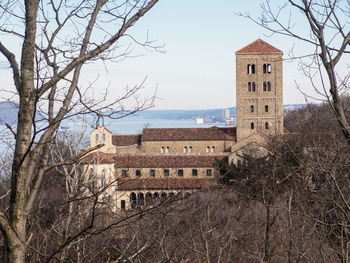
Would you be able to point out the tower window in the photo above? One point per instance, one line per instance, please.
(124, 173)
(265, 86)
(122, 204)
(251, 108)
(138, 173)
(190, 149)
(252, 125)
(185, 149)
(266, 125)
(269, 86)
(249, 86)
(96, 138)
(213, 149)
(167, 149)
(180, 172)
(253, 86)
(162, 149)
(266, 108)
(267, 68)
(152, 173)
(253, 68)
(208, 149)
(248, 68)
(104, 137)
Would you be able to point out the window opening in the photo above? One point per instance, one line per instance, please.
(166, 172)
(209, 172)
(138, 173)
(264, 68)
(253, 68)
(96, 138)
(167, 149)
(185, 149)
(124, 173)
(190, 149)
(266, 108)
(208, 149)
(253, 86)
(269, 86)
(251, 108)
(122, 204)
(152, 173)
(213, 149)
(265, 86)
(248, 69)
(194, 172)
(268, 68)
(266, 125)
(249, 86)
(162, 150)
(252, 125)
(104, 137)
(180, 172)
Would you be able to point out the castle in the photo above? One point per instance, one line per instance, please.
(164, 161)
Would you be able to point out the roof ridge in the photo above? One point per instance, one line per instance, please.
(258, 46)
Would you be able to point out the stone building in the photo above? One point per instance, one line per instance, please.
(164, 161)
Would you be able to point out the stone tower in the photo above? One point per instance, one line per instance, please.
(259, 91)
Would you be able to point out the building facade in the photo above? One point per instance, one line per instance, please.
(161, 162)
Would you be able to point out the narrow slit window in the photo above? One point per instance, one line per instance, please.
(265, 86)
(267, 125)
(264, 68)
(167, 149)
(268, 68)
(251, 108)
(104, 137)
(248, 69)
(269, 86)
(252, 125)
(185, 149)
(249, 86)
(253, 86)
(253, 68)
(266, 108)
(190, 149)
(96, 138)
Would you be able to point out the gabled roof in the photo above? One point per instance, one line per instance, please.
(189, 134)
(165, 184)
(258, 46)
(166, 161)
(98, 158)
(124, 140)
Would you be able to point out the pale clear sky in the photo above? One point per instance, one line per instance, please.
(198, 69)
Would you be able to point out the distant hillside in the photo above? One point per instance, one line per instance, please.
(213, 114)
(8, 113)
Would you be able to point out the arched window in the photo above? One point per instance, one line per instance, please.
(162, 149)
(253, 68)
(266, 125)
(269, 86)
(264, 68)
(185, 149)
(252, 125)
(266, 108)
(249, 86)
(190, 149)
(251, 108)
(208, 149)
(265, 86)
(96, 138)
(248, 69)
(268, 68)
(253, 86)
(133, 199)
(104, 137)
(167, 149)
(213, 149)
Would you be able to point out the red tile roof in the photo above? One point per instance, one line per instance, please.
(99, 158)
(166, 161)
(258, 46)
(189, 134)
(165, 184)
(124, 140)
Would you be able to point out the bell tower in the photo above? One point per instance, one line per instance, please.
(259, 89)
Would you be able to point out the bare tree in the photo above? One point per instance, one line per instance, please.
(57, 38)
(328, 34)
